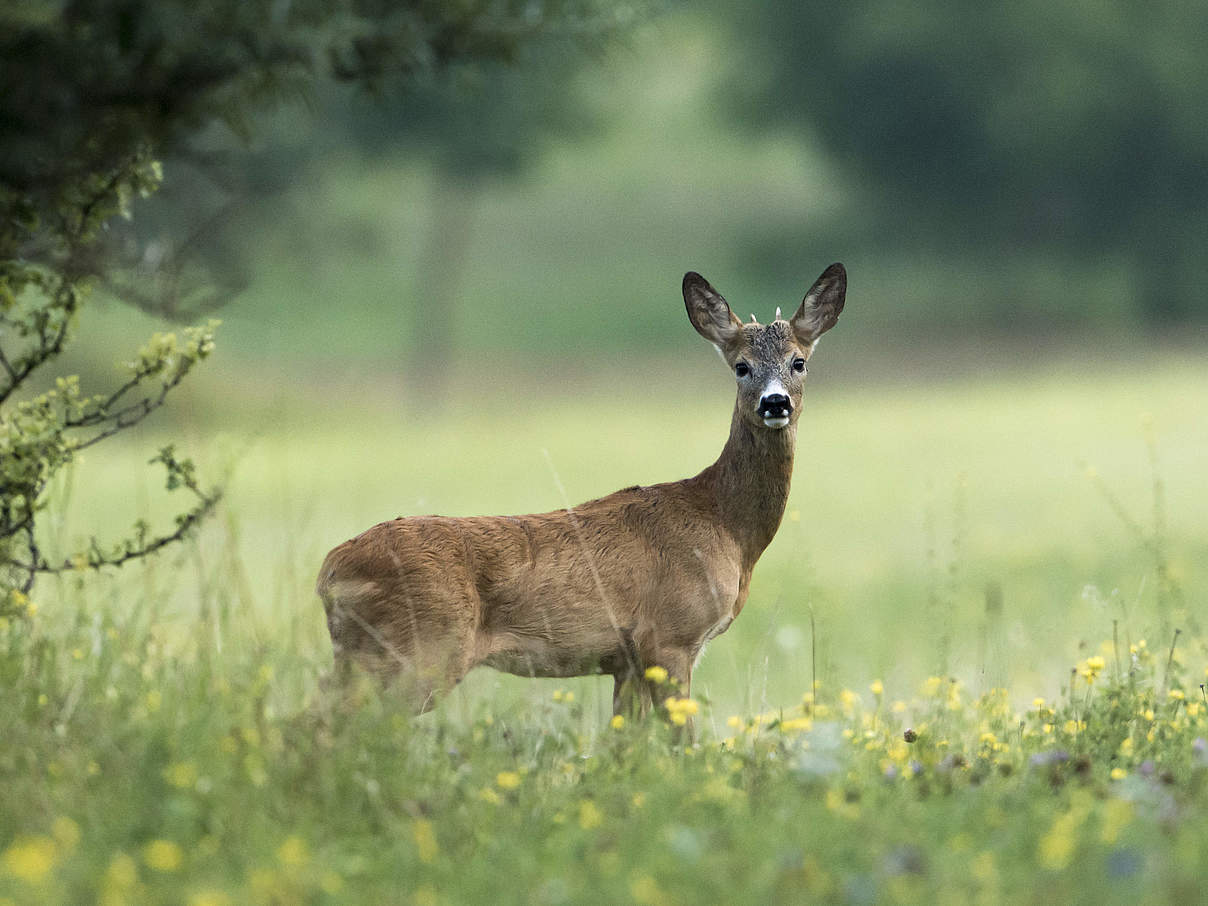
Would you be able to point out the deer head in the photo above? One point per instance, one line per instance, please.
(768, 360)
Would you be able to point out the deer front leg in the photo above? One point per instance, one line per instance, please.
(630, 695)
(677, 684)
(645, 683)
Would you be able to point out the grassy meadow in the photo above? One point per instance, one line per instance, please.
(984, 577)
(954, 678)
(972, 665)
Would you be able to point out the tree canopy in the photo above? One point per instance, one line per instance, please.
(1026, 124)
(95, 94)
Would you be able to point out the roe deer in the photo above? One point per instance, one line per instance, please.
(642, 577)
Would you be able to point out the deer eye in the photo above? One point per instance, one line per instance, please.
(742, 369)
(799, 365)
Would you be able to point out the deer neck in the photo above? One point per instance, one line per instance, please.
(750, 483)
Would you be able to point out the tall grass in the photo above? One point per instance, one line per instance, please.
(164, 738)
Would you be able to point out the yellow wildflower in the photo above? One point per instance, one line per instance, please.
(796, 724)
(181, 774)
(30, 858)
(1116, 815)
(877, 687)
(680, 709)
(162, 855)
(424, 835)
(1056, 848)
(507, 780)
(1118, 773)
(1091, 668)
(837, 803)
(954, 697)
(589, 815)
(645, 890)
(656, 674)
(122, 873)
(983, 868)
(293, 852)
(20, 601)
(617, 722)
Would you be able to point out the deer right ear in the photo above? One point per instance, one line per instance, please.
(710, 313)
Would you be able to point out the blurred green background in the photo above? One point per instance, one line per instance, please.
(465, 299)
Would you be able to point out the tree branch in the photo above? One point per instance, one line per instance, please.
(129, 551)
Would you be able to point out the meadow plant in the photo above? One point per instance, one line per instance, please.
(135, 770)
(48, 244)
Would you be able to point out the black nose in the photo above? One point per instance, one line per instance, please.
(775, 405)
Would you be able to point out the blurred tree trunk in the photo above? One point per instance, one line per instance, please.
(1171, 292)
(437, 287)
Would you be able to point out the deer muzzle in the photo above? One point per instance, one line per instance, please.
(775, 409)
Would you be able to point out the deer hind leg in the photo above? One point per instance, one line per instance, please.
(415, 658)
(630, 691)
(420, 671)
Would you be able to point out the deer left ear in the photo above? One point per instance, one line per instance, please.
(821, 306)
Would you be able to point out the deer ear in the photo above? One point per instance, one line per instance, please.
(709, 313)
(821, 306)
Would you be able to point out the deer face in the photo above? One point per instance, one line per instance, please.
(768, 360)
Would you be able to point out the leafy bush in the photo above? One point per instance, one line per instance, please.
(94, 95)
(40, 296)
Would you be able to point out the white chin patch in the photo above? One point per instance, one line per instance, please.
(781, 422)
